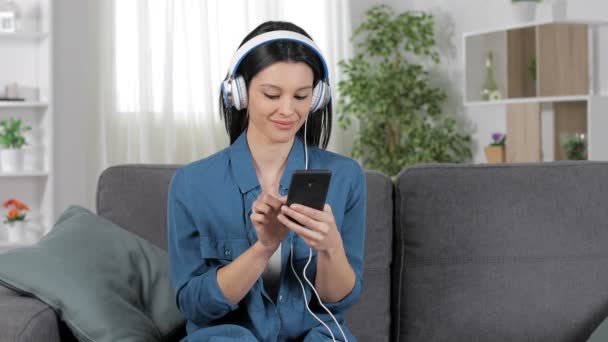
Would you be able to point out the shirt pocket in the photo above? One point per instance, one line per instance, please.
(228, 249)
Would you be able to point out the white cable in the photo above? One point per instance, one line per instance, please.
(306, 266)
(319, 298)
(305, 149)
(304, 292)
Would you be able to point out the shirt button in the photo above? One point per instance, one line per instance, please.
(227, 252)
(280, 298)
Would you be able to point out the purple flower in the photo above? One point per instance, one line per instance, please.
(498, 138)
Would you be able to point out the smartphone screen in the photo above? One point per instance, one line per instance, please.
(309, 188)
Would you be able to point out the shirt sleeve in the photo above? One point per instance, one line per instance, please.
(353, 237)
(198, 295)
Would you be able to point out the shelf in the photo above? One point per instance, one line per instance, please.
(529, 100)
(24, 174)
(5, 245)
(536, 23)
(24, 36)
(23, 104)
(26, 58)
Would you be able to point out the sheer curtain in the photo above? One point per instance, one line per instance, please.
(165, 61)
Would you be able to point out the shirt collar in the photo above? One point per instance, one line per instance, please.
(244, 170)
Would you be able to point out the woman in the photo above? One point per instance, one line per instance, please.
(232, 239)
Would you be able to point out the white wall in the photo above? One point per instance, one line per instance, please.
(453, 18)
(75, 83)
(76, 51)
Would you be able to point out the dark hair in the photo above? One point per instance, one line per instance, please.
(319, 122)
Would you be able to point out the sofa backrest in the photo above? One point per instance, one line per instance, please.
(513, 252)
(370, 318)
(135, 196)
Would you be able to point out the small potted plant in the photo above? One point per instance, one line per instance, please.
(574, 146)
(15, 219)
(11, 143)
(524, 10)
(495, 152)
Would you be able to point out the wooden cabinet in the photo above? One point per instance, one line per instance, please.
(545, 73)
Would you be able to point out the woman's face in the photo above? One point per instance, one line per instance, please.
(279, 99)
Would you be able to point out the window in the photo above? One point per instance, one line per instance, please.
(171, 55)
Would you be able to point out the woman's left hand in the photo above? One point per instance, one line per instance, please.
(317, 228)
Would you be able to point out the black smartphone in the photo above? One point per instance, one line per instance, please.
(309, 188)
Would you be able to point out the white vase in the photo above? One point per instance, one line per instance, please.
(560, 10)
(15, 230)
(524, 11)
(11, 159)
(33, 158)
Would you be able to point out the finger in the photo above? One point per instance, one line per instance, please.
(283, 199)
(301, 218)
(303, 232)
(315, 214)
(310, 243)
(259, 207)
(259, 219)
(272, 201)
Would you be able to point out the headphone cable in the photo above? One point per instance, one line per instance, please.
(306, 266)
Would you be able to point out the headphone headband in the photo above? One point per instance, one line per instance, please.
(271, 36)
(234, 89)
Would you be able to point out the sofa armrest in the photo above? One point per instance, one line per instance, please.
(26, 319)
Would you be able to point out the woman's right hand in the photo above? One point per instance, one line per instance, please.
(264, 218)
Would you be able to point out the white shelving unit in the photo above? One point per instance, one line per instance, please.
(23, 104)
(565, 86)
(7, 246)
(529, 100)
(24, 36)
(26, 58)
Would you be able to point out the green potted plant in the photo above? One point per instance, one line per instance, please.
(574, 146)
(387, 87)
(495, 152)
(11, 143)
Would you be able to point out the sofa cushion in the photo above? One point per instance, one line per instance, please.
(600, 334)
(512, 252)
(104, 282)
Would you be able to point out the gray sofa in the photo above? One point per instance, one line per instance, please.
(453, 252)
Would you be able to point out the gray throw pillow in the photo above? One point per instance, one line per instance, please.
(600, 334)
(106, 283)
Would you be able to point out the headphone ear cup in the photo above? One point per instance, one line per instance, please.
(239, 92)
(224, 90)
(320, 96)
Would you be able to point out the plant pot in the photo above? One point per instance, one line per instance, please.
(11, 160)
(524, 11)
(15, 231)
(560, 10)
(495, 154)
(33, 158)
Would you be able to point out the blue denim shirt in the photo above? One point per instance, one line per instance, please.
(209, 204)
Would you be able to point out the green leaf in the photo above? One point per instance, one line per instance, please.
(11, 133)
(387, 88)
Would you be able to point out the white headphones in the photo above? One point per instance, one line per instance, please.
(234, 90)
